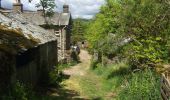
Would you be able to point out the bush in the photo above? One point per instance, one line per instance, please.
(149, 53)
(142, 25)
(143, 85)
(127, 84)
(18, 91)
(93, 64)
(55, 77)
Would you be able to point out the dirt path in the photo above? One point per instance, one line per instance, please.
(81, 83)
(76, 72)
(81, 68)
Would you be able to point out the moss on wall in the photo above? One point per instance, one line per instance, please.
(13, 40)
(33, 39)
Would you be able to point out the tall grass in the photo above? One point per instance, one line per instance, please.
(119, 82)
(143, 85)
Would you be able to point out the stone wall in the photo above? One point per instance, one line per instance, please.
(63, 34)
(64, 44)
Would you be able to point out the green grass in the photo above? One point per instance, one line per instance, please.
(143, 85)
(118, 82)
(113, 82)
(63, 66)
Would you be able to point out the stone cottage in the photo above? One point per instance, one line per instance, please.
(27, 51)
(60, 24)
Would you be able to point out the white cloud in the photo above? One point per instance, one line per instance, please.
(30, 6)
(79, 8)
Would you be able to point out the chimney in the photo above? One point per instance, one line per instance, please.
(17, 6)
(65, 9)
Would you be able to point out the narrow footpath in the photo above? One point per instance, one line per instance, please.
(81, 68)
(76, 73)
(81, 83)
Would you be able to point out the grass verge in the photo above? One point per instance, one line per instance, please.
(118, 82)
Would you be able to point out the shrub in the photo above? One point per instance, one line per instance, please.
(55, 77)
(93, 64)
(127, 84)
(18, 91)
(142, 85)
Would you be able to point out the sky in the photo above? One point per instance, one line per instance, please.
(79, 8)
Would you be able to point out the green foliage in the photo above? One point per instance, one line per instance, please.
(48, 7)
(137, 30)
(119, 82)
(55, 77)
(93, 64)
(63, 66)
(143, 20)
(150, 53)
(104, 25)
(19, 91)
(143, 85)
(79, 30)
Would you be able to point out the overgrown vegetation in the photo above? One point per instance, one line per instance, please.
(22, 91)
(48, 7)
(135, 31)
(118, 82)
(18, 91)
(133, 35)
(66, 65)
(79, 30)
(142, 85)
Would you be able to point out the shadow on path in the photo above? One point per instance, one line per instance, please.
(64, 94)
(69, 90)
(60, 93)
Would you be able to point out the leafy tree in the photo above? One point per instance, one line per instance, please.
(139, 28)
(79, 28)
(48, 7)
(147, 22)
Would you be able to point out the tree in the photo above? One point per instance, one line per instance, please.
(48, 7)
(79, 28)
(145, 22)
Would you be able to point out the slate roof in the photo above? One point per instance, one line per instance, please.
(38, 19)
(17, 35)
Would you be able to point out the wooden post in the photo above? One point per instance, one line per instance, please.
(165, 88)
